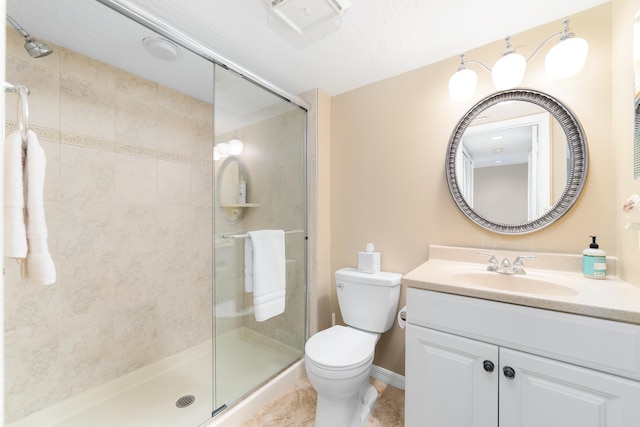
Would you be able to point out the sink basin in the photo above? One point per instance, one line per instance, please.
(513, 283)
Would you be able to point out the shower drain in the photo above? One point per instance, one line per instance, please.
(185, 401)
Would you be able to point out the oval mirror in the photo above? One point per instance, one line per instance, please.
(516, 161)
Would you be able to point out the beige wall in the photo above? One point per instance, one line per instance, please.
(388, 145)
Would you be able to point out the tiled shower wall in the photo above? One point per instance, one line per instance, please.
(278, 185)
(128, 201)
(275, 158)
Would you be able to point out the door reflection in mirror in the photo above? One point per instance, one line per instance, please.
(515, 169)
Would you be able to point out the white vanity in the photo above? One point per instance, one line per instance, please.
(546, 349)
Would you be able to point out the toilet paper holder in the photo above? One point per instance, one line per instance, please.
(402, 317)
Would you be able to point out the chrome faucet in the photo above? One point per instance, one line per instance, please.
(493, 262)
(505, 267)
(518, 264)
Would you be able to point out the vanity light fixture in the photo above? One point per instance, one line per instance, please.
(563, 60)
(225, 149)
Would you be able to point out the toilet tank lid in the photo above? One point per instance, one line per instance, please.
(383, 278)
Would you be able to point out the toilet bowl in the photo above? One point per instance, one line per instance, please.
(338, 360)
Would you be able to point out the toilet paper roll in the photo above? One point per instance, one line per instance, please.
(402, 313)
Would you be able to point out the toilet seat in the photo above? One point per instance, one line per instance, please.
(341, 348)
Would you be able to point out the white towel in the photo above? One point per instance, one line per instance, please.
(15, 234)
(267, 268)
(248, 265)
(40, 267)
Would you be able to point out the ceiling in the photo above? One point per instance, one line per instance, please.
(377, 39)
(502, 134)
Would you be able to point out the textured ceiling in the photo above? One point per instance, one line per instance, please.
(377, 38)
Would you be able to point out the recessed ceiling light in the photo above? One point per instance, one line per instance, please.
(498, 150)
(162, 48)
(497, 137)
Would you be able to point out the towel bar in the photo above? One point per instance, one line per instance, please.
(245, 235)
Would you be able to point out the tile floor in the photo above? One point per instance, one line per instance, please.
(297, 408)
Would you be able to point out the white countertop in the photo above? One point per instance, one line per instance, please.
(610, 299)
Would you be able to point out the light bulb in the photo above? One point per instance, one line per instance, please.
(509, 71)
(235, 147)
(566, 58)
(462, 84)
(223, 149)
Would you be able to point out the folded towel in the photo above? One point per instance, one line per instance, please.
(15, 234)
(40, 267)
(268, 271)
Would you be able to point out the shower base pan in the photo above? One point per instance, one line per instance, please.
(175, 391)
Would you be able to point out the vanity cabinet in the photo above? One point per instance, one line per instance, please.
(472, 362)
(446, 383)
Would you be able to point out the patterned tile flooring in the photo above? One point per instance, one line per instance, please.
(297, 408)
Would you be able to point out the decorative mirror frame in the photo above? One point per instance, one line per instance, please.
(578, 159)
(232, 212)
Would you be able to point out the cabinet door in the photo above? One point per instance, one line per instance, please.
(447, 383)
(548, 393)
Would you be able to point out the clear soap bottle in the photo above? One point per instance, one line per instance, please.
(242, 191)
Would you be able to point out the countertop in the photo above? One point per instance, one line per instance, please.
(610, 298)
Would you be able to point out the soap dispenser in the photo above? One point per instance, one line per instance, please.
(242, 191)
(594, 261)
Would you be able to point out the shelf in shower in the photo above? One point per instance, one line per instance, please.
(241, 205)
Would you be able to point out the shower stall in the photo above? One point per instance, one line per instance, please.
(156, 172)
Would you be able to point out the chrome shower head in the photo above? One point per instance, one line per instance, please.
(35, 48)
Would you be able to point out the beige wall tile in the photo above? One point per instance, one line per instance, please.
(174, 183)
(86, 108)
(85, 174)
(136, 179)
(86, 348)
(136, 121)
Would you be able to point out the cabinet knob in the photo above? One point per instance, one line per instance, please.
(509, 372)
(488, 365)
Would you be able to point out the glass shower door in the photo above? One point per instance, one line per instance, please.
(263, 187)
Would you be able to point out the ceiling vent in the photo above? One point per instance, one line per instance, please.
(306, 21)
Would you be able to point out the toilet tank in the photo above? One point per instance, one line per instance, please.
(368, 301)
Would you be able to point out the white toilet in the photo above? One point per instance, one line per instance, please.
(338, 360)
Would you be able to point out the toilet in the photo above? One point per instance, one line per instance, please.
(338, 360)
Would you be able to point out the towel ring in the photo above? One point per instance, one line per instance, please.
(23, 106)
(23, 111)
